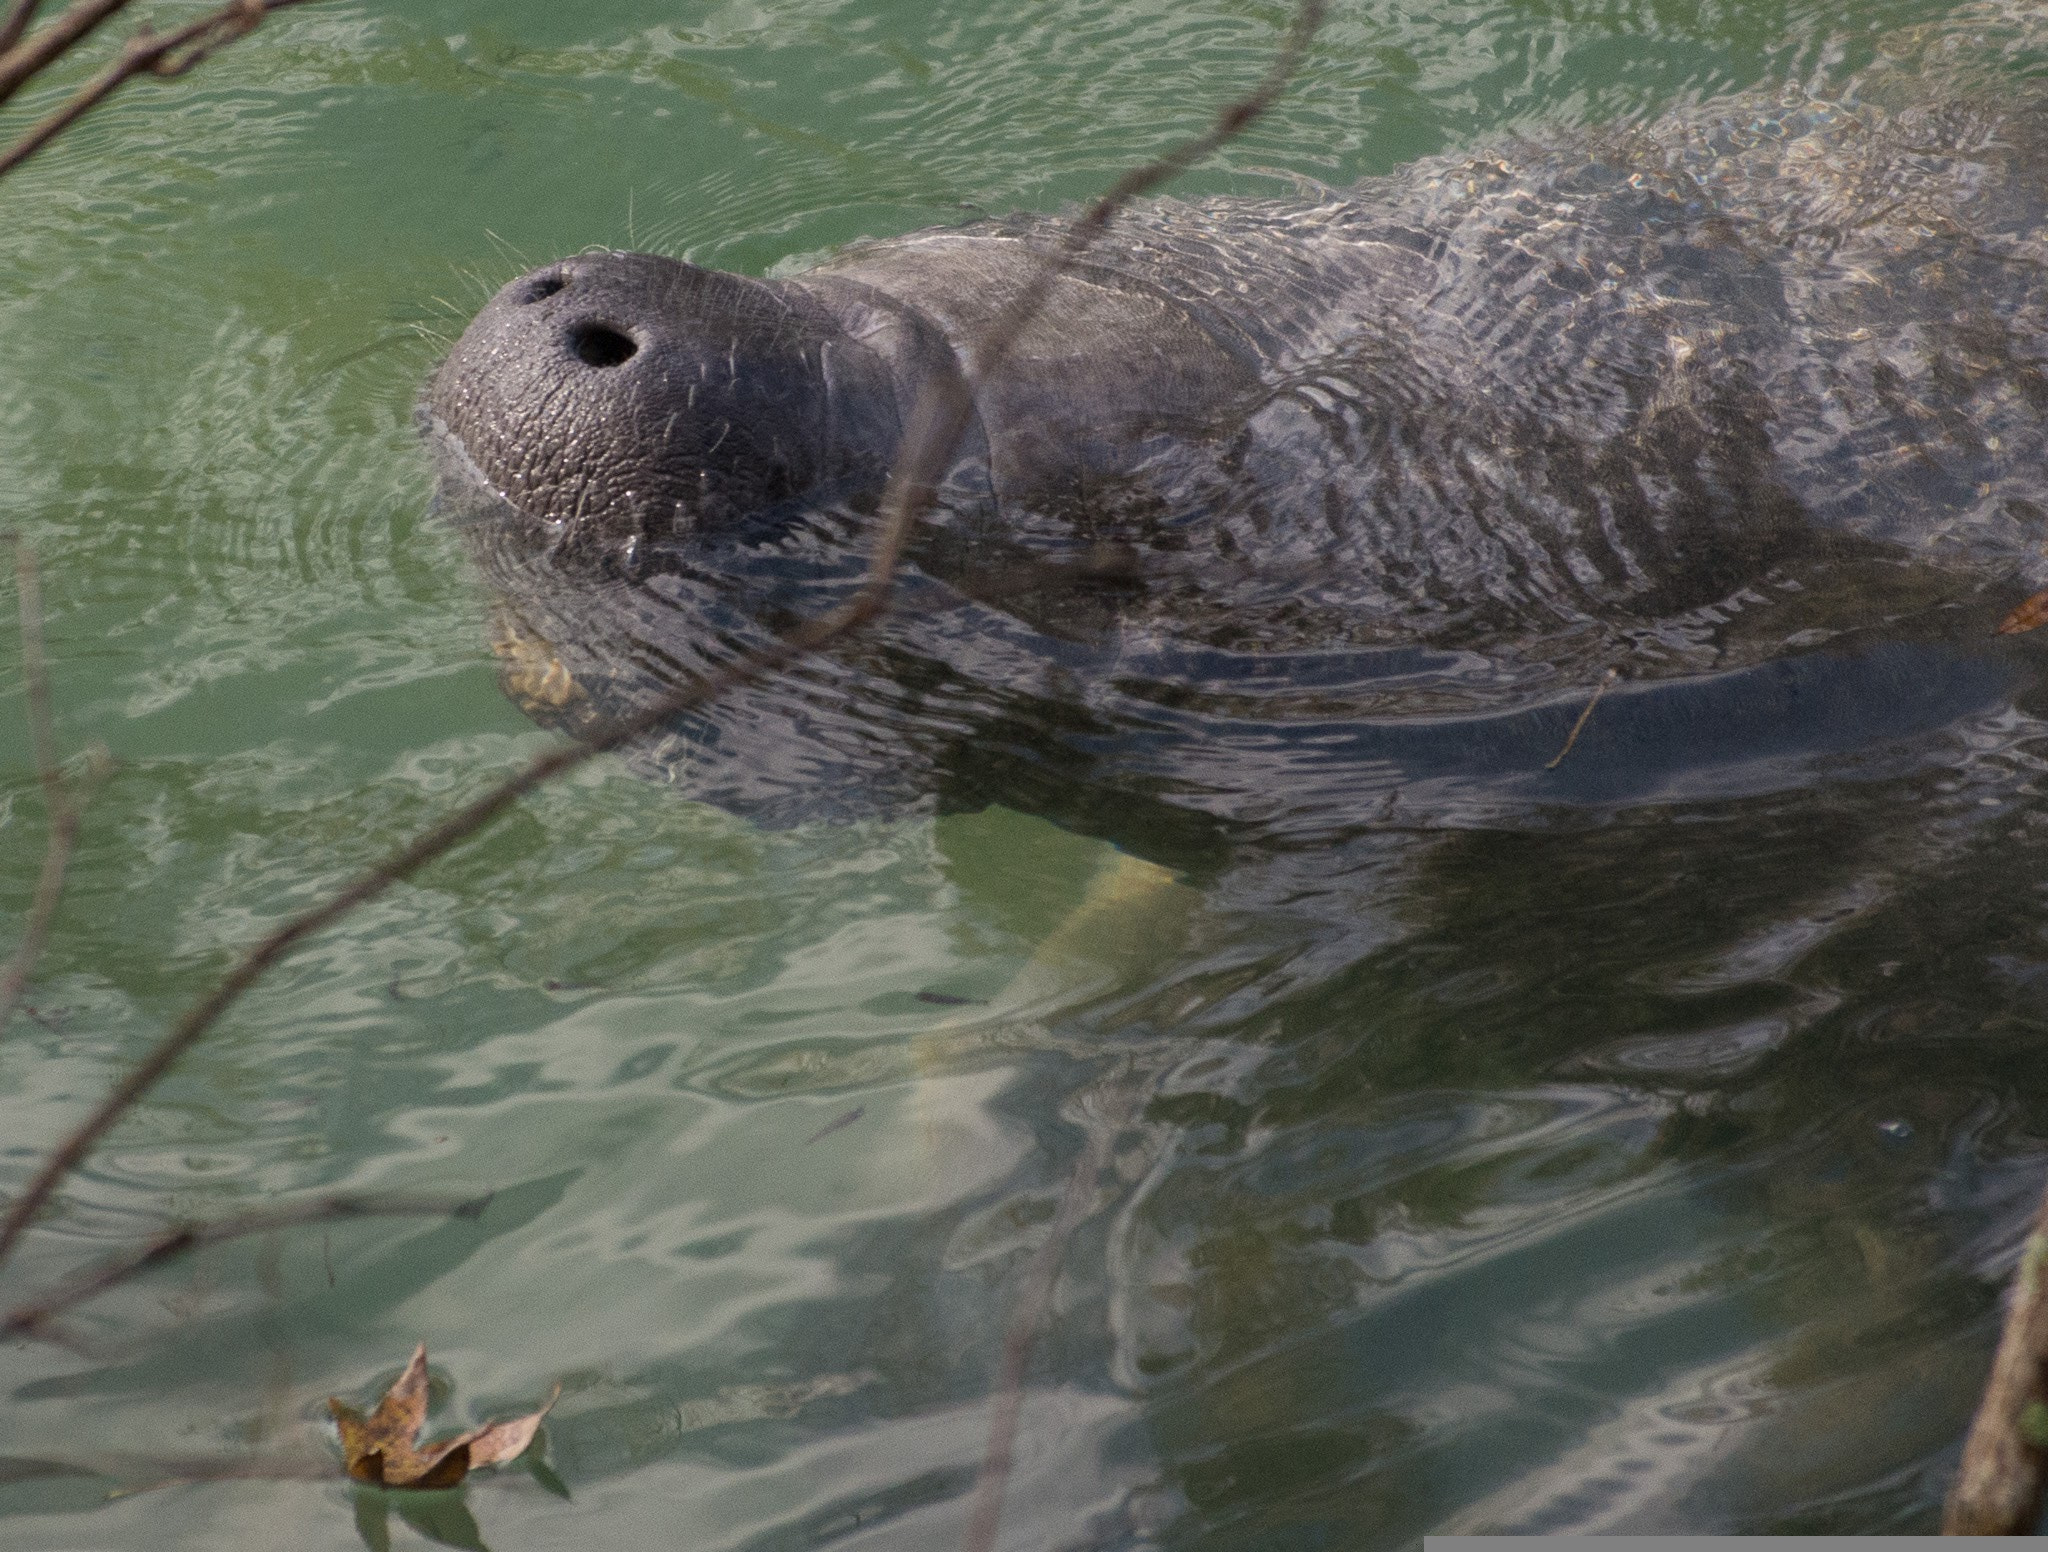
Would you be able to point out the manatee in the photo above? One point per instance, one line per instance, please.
(1285, 513)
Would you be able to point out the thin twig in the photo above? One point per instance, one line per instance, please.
(935, 427)
(23, 61)
(35, 671)
(42, 911)
(33, 1318)
(1606, 680)
(942, 409)
(176, 1472)
(19, 14)
(424, 848)
(42, 739)
(61, 804)
(1999, 1486)
(162, 55)
(162, 1471)
(1034, 1301)
(1042, 1277)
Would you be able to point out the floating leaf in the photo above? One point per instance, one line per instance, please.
(2028, 616)
(499, 1442)
(380, 1448)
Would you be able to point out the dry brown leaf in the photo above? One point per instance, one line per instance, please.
(380, 1448)
(497, 1443)
(2028, 616)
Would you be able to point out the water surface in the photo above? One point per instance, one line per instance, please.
(1653, 1171)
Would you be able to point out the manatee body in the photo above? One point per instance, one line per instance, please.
(1284, 508)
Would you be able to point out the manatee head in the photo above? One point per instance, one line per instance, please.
(626, 398)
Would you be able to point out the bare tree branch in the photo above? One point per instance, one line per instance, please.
(24, 61)
(1041, 1277)
(1999, 1486)
(62, 805)
(1607, 682)
(19, 14)
(162, 55)
(934, 430)
(33, 1318)
(42, 740)
(943, 408)
(424, 848)
(35, 671)
(160, 1471)
(1034, 1301)
(183, 1471)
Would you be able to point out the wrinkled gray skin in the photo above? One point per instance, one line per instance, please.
(1286, 509)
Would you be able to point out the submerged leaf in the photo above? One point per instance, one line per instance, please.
(2027, 616)
(380, 1448)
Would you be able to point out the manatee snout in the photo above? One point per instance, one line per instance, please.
(634, 396)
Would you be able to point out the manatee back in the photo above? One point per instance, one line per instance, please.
(1321, 512)
(1624, 375)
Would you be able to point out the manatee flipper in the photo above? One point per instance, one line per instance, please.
(1132, 913)
(1130, 904)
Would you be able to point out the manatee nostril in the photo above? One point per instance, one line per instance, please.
(541, 287)
(599, 344)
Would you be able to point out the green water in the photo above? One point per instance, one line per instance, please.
(1590, 1177)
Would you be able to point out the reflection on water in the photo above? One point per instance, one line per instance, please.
(1634, 1145)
